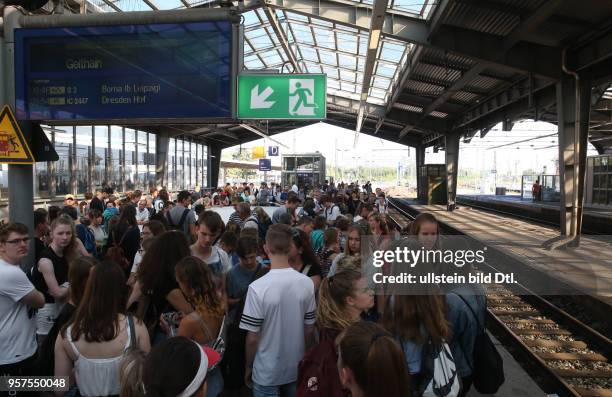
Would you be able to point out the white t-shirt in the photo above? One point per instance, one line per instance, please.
(142, 215)
(278, 305)
(137, 259)
(17, 329)
(332, 212)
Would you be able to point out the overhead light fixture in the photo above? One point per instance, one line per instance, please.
(374, 37)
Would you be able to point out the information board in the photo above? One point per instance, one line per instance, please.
(159, 71)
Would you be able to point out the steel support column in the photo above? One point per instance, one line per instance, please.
(214, 163)
(162, 143)
(573, 108)
(452, 163)
(420, 161)
(20, 177)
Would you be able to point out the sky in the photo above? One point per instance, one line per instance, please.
(499, 150)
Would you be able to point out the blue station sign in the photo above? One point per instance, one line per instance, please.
(157, 71)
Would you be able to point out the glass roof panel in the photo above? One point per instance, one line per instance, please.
(313, 67)
(250, 19)
(330, 72)
(302, 34)
(344, 86)
(333, 84)
(328, 57)
(259, 38)
(325, 38)
(347, 61)
(381, 82)
(131, 5)
(380, 94)
(253, 62)
(386, 70)
(169, 4)
(297, 17)
(392, 51)
(348, 76)
(309, 53)
(347, 42)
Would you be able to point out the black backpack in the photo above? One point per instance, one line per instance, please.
(179, 226)
(488, 371)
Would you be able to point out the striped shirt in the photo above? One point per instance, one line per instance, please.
(278, 306)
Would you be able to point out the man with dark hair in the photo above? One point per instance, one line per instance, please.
(41, 230)
(331, 211)
(279, 314)
(97, 203)
(364, 212)
(288, 208)
(18, 299)
(306, 224)
(239, 277)
(180, 217)
(135, 198)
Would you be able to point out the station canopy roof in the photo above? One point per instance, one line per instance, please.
(412, 71)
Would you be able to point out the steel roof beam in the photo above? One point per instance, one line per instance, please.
(282, 38)
(377, 20)
(499, 100)
(525, 57)
(541, 99)
(507, 43)
(595, 51)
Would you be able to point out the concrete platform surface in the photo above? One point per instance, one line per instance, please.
(518, 382)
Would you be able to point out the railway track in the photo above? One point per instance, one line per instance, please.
(565, 356)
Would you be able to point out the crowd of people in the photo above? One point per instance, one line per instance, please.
(148, 296)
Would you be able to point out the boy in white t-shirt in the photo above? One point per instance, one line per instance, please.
(279, 314)
(18, 298)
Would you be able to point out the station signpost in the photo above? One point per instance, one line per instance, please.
(282, 96)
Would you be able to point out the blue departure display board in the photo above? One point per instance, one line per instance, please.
(159, 71)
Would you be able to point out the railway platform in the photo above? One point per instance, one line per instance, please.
(588, 268)
(596, 220)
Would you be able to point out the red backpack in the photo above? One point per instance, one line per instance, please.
(318, 372)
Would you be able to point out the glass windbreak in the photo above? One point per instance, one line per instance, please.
(42, 175)
(130, 156)
(116, 169)
(83, 149)
(100, 156)
(171, 163)
(151, 161)
(63, 167)
(141, 166)
(289, 164)
(304, 164)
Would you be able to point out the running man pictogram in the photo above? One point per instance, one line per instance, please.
(302, 104)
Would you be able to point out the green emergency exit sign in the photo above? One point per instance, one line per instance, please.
(282, 96)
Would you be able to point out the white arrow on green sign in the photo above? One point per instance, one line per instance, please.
(282, 96)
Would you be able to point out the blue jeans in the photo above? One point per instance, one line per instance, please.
(214, 383)
(287, 390)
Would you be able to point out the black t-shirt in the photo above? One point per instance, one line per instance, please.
(96, 204)
(39, 247)
(313, 270)
(60, 269)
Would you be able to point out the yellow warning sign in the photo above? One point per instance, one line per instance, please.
(258, 152)
(13, 147)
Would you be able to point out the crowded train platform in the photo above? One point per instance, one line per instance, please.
(236, 198)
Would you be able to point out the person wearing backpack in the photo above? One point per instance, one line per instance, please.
(180, 217)
(205, 324)
(420, 325)
(342, 299)
(124, 239)
(371, 363)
